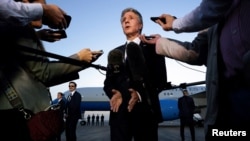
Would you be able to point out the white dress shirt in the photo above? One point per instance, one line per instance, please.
(18, 14)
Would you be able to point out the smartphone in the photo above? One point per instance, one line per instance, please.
(62, 32)
(149, 37)
(100, 52)
(68, 19)
(156, 18)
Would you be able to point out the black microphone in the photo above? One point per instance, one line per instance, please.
(139, 72)
(115, 61)
(136, 61)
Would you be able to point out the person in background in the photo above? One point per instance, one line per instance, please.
(62, 106)
(88, 120)
(73, 112)
(102, 120)
(93, 119)
(186, 111)
(97, 120)
(134, 93)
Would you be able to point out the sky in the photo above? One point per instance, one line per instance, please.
(96, 25)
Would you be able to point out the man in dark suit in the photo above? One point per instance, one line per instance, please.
(186, 110)
(62, 104)
(134, 93)
(73, 112)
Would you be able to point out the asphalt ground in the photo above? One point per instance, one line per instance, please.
(168, 131)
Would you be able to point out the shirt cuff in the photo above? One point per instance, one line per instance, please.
(140, 100)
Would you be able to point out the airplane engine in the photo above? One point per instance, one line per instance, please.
(169, 109)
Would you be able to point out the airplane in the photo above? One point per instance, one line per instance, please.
(95, 99)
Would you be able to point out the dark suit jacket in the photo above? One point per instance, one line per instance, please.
(157, 77)
(74, 106)
(186, 108)
(62, 104)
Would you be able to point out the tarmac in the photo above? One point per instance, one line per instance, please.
(168, 131)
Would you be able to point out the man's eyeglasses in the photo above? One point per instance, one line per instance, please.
(71, 86)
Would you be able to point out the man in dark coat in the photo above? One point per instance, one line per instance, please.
(133, 81)
(186, 110)
(73, 112)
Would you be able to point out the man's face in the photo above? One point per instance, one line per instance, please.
(131, 25)
(72, 87)
(59, 96)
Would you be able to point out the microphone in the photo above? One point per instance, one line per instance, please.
(115, 61)
(138, 69)
(136, 61)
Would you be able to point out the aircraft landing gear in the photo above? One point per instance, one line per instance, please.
(82, 123)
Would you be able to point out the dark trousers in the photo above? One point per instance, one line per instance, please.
(141, 130)
(120, 133)
(190, 124)
(13, 126)
(70, 128)
(139, 125)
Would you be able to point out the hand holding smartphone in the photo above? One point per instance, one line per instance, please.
(156, 18)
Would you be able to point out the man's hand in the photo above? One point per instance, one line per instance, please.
(168, 26)
(53, 16)
(133, 100)
(116, 100)
(85, 55)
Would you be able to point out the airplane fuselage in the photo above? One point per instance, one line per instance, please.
(95, 99)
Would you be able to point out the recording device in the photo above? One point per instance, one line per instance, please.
(61, 32)
(100, 52)
(149, 37)
(46, 22)
(97, 55)
(156, 18)
(68, 19)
